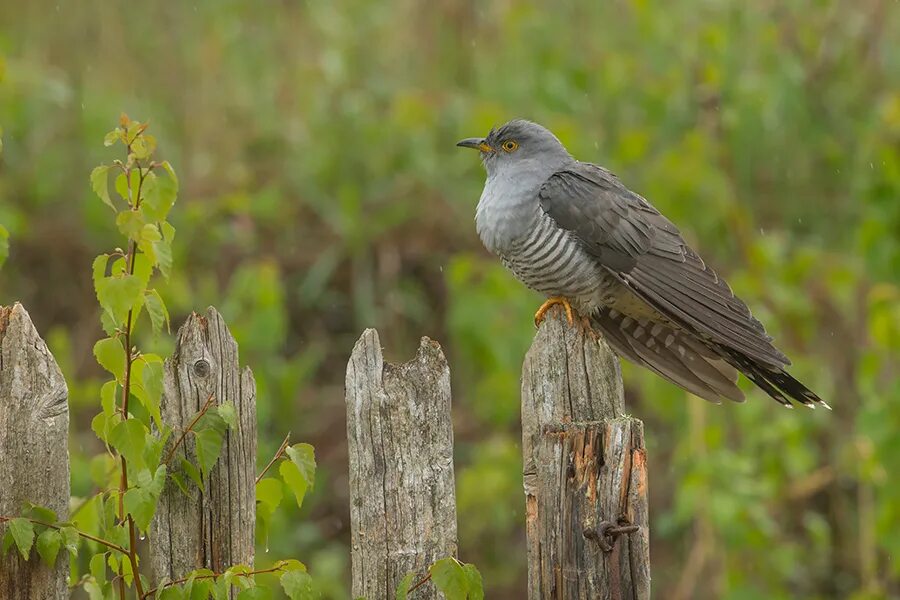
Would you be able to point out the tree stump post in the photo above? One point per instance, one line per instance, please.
(214, 529)
(34, 451)
(402, 497)
(584, 470)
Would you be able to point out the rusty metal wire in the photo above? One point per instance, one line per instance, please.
(606, 532)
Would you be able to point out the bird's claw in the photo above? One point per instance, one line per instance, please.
(546, 306)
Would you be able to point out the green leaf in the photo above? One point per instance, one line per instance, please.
(192, 472)
(100, 185)
(297, 585)
(229, 415)
(40, 513)
(156, 308)
(450, 578)
(108, 394)
(130, 437)
(98, 567)
(70, 539)
(118, 294)
(255, 593)
(141, 500)
(111, 355)
(163, 249)
(7, 542)
(23, 535)
(130, 224)
(269, 493)
(304, 456)
(112, 137)
(160, 195)
(208, 445)
(173, 592)
(103, 423)
(475, 584)
(404, 585)
(294, 479)
(48, 544)
(4, 245)
(151, 378)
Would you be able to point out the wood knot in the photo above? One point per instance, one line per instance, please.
(201, 368)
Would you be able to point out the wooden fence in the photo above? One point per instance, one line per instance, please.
(584, 473)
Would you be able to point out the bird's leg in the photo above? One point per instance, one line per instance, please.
(542, 311)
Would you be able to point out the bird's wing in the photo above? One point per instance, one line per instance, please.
(641, 247)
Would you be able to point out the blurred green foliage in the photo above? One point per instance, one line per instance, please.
(322, 193)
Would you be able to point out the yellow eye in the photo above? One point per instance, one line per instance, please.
(509, 146)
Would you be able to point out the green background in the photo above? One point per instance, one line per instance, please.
(321, 193)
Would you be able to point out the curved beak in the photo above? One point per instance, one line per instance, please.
(476, 143)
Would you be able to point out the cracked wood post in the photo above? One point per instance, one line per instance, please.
(34, 451)
(584, 463)
(214, 529)
(402, 497)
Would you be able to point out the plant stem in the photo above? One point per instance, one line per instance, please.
(274, 569)
(278, 455)
(86, 536)
(203, 409)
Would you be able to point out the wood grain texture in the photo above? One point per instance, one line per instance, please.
(34, 454)
(213, 529)
(402, 497)
(584, 463)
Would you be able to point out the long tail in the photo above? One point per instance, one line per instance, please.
(674, 355)
(708, 372)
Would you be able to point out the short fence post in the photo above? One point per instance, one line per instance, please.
(34, 452)
(584, 469)
(402, 498)
(213, 529)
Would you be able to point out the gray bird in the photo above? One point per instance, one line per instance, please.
(572, 231)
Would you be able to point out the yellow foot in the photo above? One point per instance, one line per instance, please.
(542, 311)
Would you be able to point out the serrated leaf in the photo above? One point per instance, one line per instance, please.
(294, 479)
(269, 493)
(98, 568)
(130, 437)
(474, 582)
(131, 224)
(118, 295)
(173, 592)
(229, 415)
(156, 308)
(160, 196)
(7, 543)
(41, 513)
(141, 501)
(297, 585)
(404, 585)
(23, 535)
(151, 380)
(69, 537)
(304, 456)
(112, 137)
(208, 446)
(163, 249)
(100, 184)
(48, 544)
(448, 576)
(102, 424)
(110, 353)
(108, 395)
(192, 472)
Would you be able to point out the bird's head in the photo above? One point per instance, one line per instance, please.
(518, 144)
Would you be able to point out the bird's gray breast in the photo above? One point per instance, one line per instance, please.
(540, 254)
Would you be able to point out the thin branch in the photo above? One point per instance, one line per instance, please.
(190, 427)
(278, 455)
(86, 536)
(277, 568)
(422, 582)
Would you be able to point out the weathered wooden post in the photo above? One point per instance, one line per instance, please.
(584, 469)
(215, 528)
(402, 497)
(34, 451)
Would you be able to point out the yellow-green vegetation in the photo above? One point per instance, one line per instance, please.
(321, 192)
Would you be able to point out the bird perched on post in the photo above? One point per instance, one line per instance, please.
(572, 231)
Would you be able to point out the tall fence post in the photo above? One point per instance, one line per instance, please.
(214, 528)
(584, 469)
(34, 454)
(402, 498)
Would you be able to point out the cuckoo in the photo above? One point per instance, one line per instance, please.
(573, 232)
